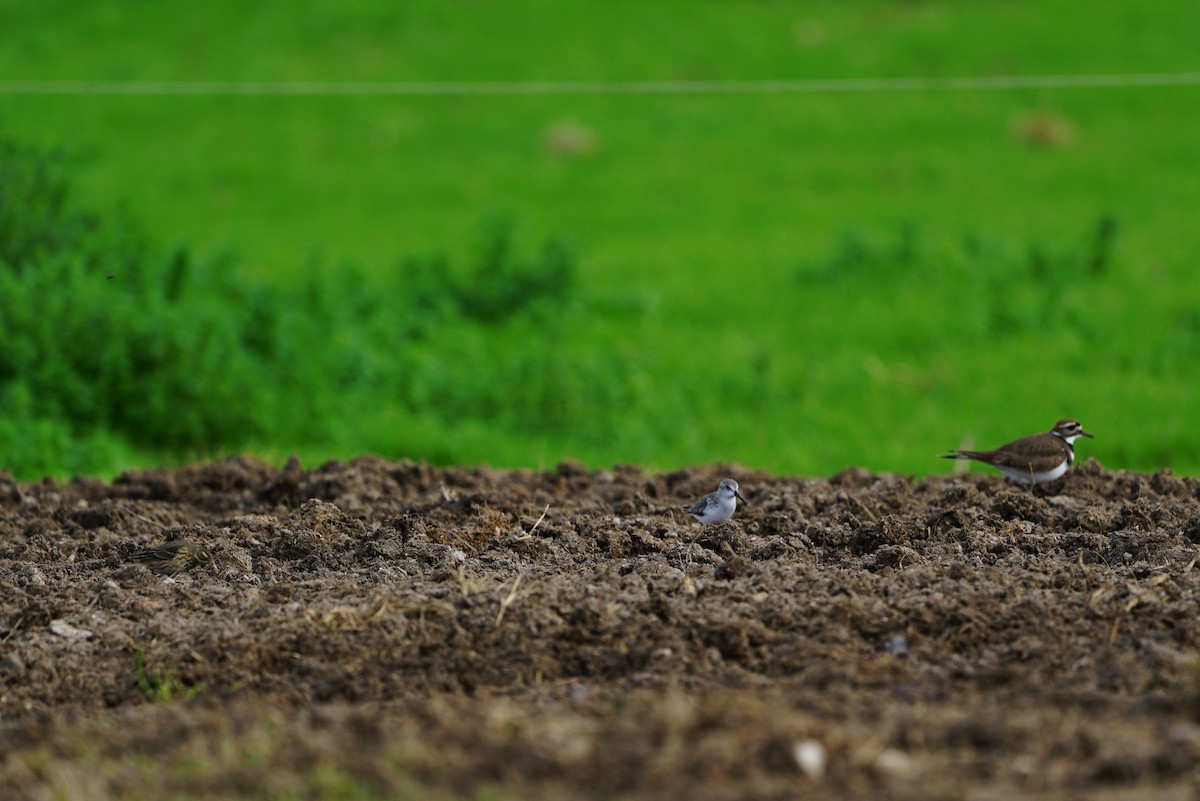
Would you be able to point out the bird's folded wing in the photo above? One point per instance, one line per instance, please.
(1038, 452)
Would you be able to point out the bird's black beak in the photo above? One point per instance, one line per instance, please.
(1083, 433)
(739, 495)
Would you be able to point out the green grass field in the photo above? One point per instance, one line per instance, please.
(794, 281)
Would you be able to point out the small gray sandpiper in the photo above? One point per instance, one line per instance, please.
(719, 506)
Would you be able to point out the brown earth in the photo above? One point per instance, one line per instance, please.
(391, 630)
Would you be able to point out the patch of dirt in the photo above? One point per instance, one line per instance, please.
(410, 631)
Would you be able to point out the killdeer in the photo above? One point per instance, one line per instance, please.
(716, 507)
(1032, 459)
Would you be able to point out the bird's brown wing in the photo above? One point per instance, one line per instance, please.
(168, 550)
(1037, 453)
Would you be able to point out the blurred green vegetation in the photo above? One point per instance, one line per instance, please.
(798, 282)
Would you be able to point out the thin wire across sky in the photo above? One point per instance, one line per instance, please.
(597, 87)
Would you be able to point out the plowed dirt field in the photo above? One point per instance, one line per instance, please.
(390, 630)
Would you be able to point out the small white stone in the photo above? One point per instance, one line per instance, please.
(64, 629)
(893, 762)
(810, 756)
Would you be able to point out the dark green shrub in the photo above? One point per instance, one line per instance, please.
(104, 335)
